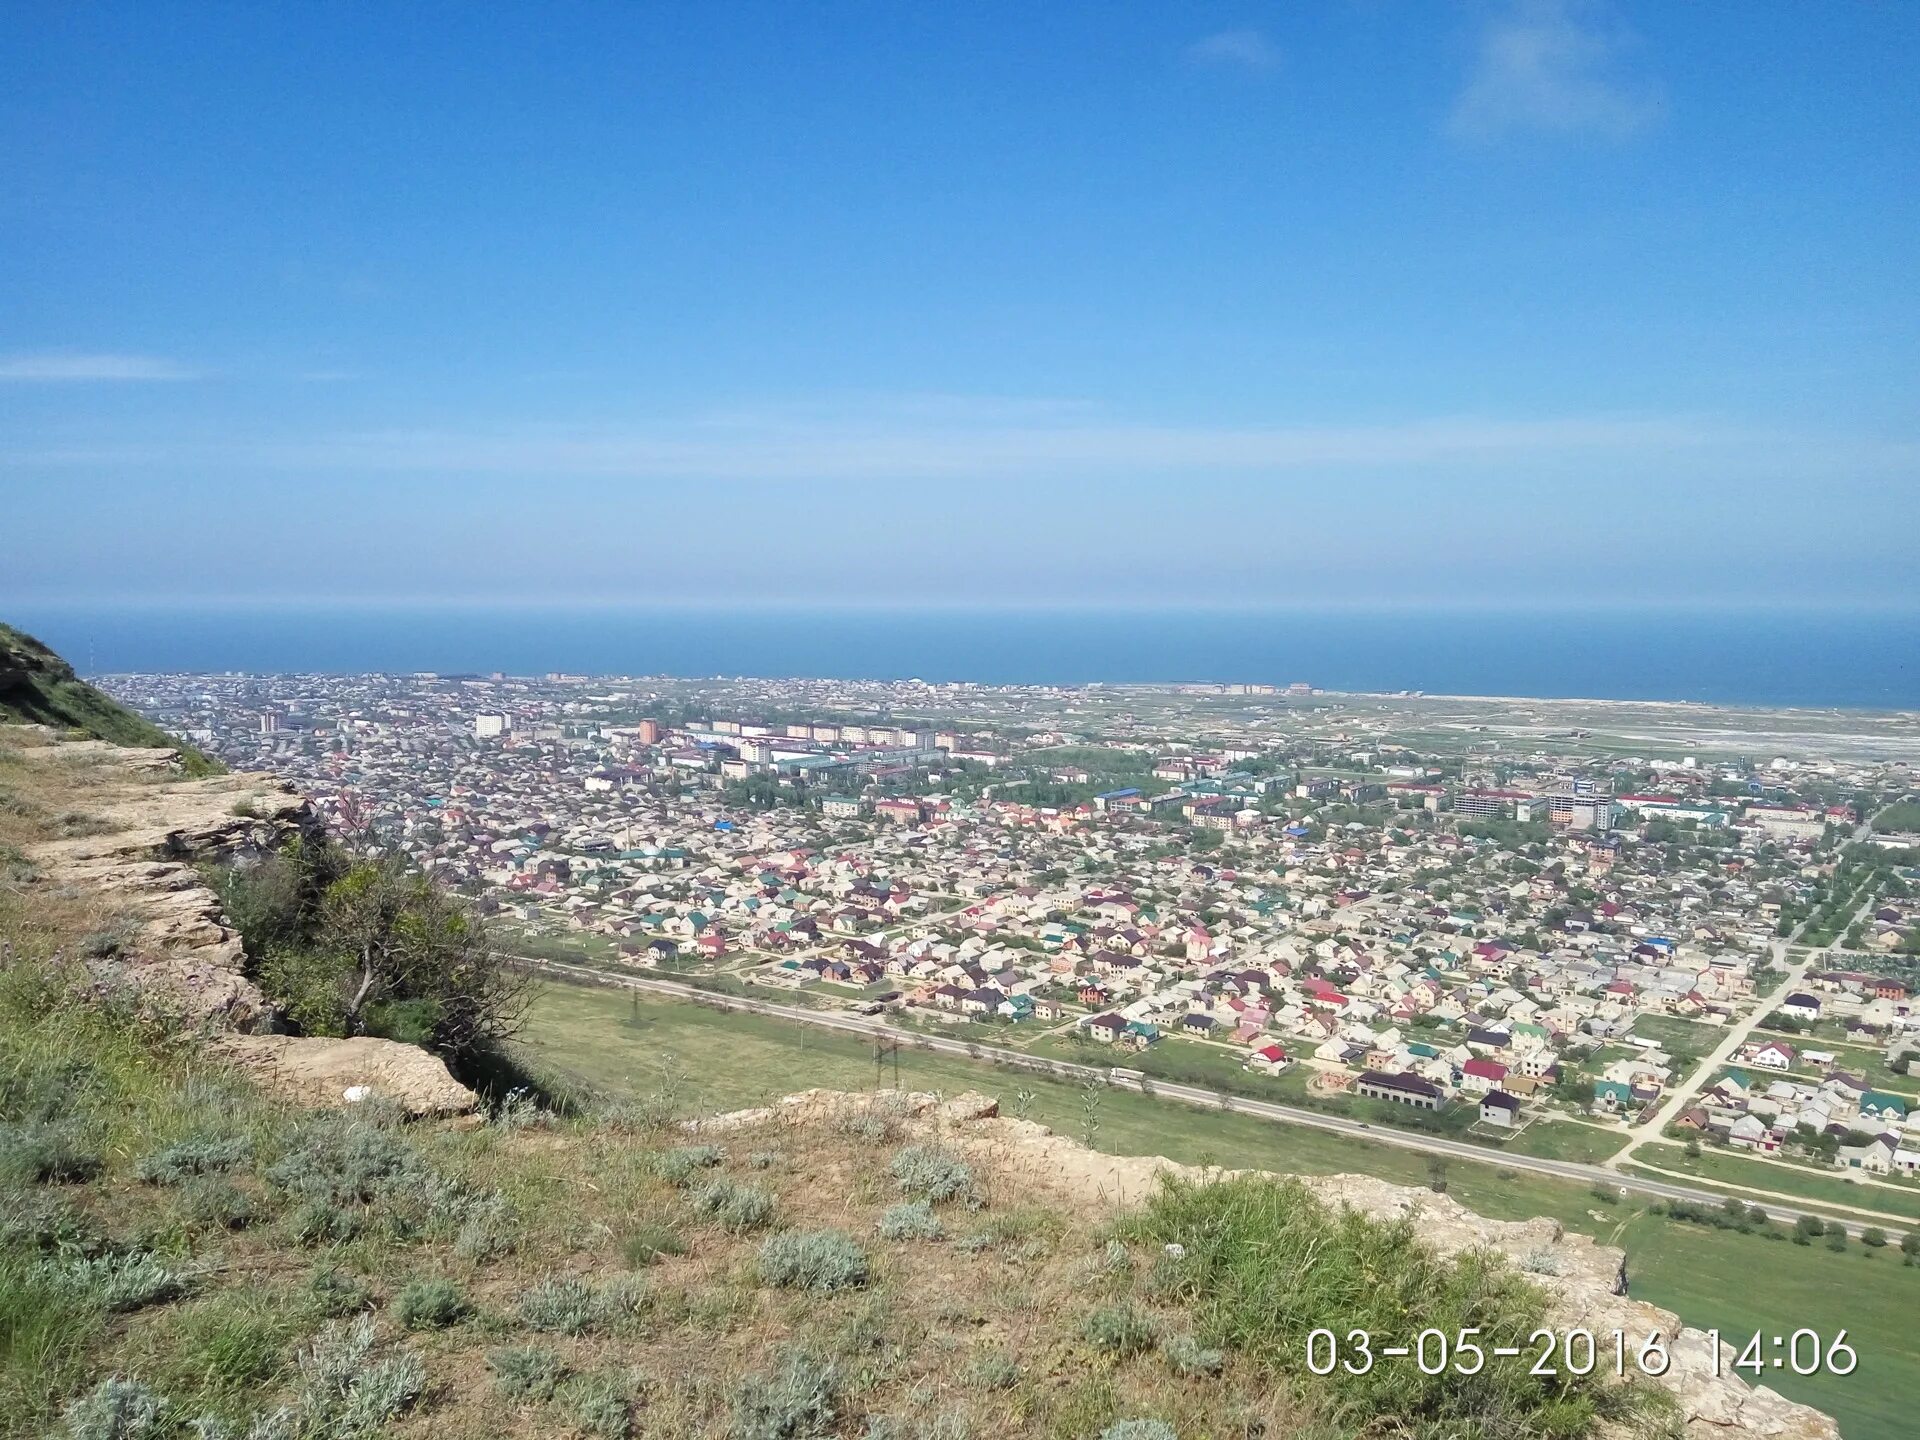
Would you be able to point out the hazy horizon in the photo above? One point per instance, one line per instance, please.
(1821, 657)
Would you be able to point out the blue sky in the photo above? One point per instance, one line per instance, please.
(1343, 303)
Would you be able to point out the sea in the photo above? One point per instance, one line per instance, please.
(1858, 659)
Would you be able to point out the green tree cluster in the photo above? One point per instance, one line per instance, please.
(361, 942)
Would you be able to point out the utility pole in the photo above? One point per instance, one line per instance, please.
(885, 1048)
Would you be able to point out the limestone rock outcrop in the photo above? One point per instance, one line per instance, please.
(177, 948)
(334, 1074)
(146, 832)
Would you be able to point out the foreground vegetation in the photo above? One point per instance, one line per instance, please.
(184, 1256)
(624, 1044)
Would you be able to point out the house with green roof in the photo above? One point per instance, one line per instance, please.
(1612, 1096)
(1886, 1107)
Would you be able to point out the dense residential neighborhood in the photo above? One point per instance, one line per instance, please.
(1250, 888)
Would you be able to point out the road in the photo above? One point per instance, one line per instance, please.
(1655, 1128)
(1189, 1094)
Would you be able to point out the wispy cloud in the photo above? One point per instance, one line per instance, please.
(1242, 49)
(941, 441)
(68, 366)
(1552, 66)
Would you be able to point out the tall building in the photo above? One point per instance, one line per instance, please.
(491, 726)
(649, 732)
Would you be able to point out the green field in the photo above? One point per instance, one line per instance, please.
(1685, 1040)
(1565, 1140)
(1821, 1187)
(1738, 1282)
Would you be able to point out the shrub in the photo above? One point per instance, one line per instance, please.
(564, 1305)
(47, 1222)
(599, 1405)
(203, 1155)
(1139, 1430)
(429, 1304)
(1540, 1261)
(115, 1409)
(870, 1126)
(46, 1088)
(519, 1110)
(921, 1170)
(118, 1282)
(1123, 1329)
(819, 1260)
(1873, 1237)
(346, 1393)
(638, 1117)
(318, 1221)
(46, 1152)
(649, 1242)
(335, 1293)
(737, 1208)
(681, 1164)
(526, 1372)
(346, 1160)
(1187, 1356)
(764, 1159)
(488, 1231)
(794, 1402)
(991, 1370)
(910, 1220)
(559, 1304)
(620, 1301)
(351, 1169)
(209, 1202)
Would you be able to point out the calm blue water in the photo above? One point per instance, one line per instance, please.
(1863, 659)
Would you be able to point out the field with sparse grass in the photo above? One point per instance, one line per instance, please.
(1565, 1140)
(1686, 1040)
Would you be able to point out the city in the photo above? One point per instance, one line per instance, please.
(1689, 965)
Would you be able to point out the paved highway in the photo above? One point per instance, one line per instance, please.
(1191, 1094)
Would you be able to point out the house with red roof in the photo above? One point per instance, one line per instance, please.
(1478, 1076)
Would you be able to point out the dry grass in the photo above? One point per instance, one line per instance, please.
(980, 1335)
(44, 799)
(909, 1344)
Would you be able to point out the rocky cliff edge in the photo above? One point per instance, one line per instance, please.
(145, 830)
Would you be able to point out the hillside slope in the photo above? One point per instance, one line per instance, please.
(37, 687)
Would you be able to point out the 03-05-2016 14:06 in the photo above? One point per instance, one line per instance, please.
(1575, 1352)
